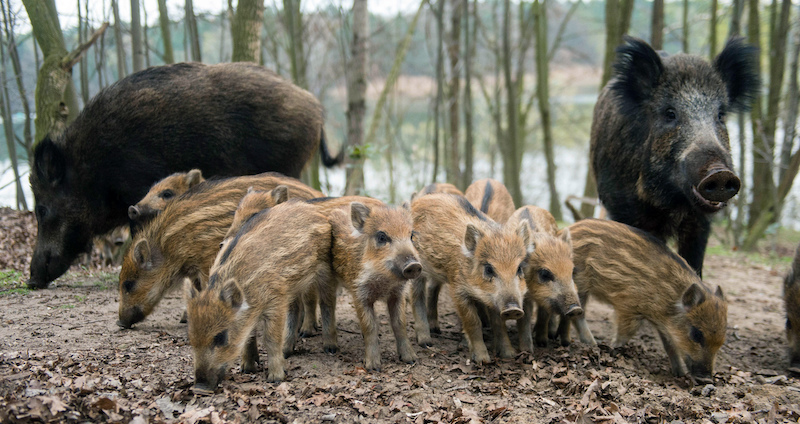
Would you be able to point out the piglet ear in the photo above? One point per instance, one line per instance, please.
(566, 237)
(719, 293)
(280, 194)
(231, 294)
(192, 287)
(693, 296)
(194, 177)
(472, 237)
(524, 231)
(637, 71)
(142, 255)
(358, 215)
(737, 64)
(49, 162)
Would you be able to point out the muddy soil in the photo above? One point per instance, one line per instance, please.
(63, 359)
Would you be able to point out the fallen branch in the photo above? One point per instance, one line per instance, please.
(74, 56)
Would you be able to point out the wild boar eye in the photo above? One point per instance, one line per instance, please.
(670, 115)
(221, 339)
(697, 336)
(545, 276)
(521, 269)
(167, 194)
(382, 238)
(788, 325)
(41, 211)
(128, 285)
(721, 116)
(488, 271)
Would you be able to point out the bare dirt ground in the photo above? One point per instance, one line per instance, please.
(63, 359)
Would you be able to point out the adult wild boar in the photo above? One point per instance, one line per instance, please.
(227, 120)
(659, 144)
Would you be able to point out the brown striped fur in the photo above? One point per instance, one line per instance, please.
(183, 240)
(162, 193)
(481, 261)
(374, 258)
(492, 198)
(548, 274)
(437, 188)
(643, 279)
(791, 297)
(276, 257)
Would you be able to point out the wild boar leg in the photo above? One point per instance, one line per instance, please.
(524, 325)
(369, 329)
(541, 328)
(397, 316)
(500, 340)
(471, 325)
(433, 306)
(292, 324)
(627, 326)
(273, 341)
(692, 239)
(327, 311)
(250, 355)
(675, 360)
(309, 314)
(420, 312)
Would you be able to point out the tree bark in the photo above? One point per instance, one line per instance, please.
(166, 33)
(145, 38)
(712, 31)
(792, 98)
(469, 43)
(5, 112)
(657, 25)
(136, 37)
(356, 99)
(13, 54)
(437, 102)
(84, 73)
(122, 65)
(191, 28)
(246, 30)
(454, 92)
(685, 27)
(509, 145)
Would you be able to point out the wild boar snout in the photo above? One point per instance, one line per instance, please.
(511, 310)
(412, 270)
(130, 316)
(719, 185)
(574, 310)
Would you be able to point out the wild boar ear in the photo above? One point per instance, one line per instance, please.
(231, 294)
(407, 206)
(194, 177)
(637, 70)
(524, 231)
(693, 296)
(719, 293)
(250, 190)
(737, 64)
(566, 236)
(49, 162)
(192, 287)
(358, 215)
(280, 194)
(472, 236)
(142, 254)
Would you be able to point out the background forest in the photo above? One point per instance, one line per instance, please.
(441, 90)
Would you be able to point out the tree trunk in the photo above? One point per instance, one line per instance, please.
(8, 123)
(543, 92)
(454, 92)
(509, 145)
(99, 61)
(437, 103)
(145, 38)
(166, 33)
(122, 66)
(191, 28)
(13, 54)
(84, 73)
(792, 98)
(685, 27)
(469, 43)
(712, 31)
(657, 25)
(136, 37)
(356, 99)
(246, 30)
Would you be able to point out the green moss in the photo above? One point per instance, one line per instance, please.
(11, 283)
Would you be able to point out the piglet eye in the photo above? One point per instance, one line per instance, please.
(221, 339)
(488, 271)
(128, 285)
(167, 194)
(670, 115)
(520, 269)
(382, 238)
(697, 336)
(545, 276)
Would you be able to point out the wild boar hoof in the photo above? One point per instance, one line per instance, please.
(275, 378)
(373, 368)
(331, 349)
(250, 368)
(306, 334)
(287, 353)
(565, 342)
(425, 343)
(436, 330)
(36, 285)
(184, 318)
(541, 343)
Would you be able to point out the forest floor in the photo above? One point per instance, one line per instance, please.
(63, 359)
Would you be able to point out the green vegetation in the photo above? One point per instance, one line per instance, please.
(11, 283)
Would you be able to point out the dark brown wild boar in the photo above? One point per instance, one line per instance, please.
(481, 261)
(110, 245)
(162, 193)
(182, 241)
(659, 145)
(437, 188)
(278, 254)
(548, 274)
(791, 297)
(374, 258)
(643, 279)
(227, 119)
(492, 198)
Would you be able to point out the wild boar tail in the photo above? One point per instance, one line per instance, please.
(328, 160)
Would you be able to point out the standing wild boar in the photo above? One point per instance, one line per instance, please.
(492, 198)
(482, 263)
(227, 119)
(276, 256)
(183, 240)
(643, 279)
(162, 193)
(659, 144)
(791, 296)
(548, 273)
(373, 257)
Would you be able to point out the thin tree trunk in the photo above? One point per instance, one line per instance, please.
(792, 98)
(246, 30)
(542, 88)
(99, 61)
(685, 27)
(8, 123)
(712, 31)
(657, 25)
(469, 43)
(146, 40)
(439, 14)
(454, 92)
(222, 17)
(356, 99)
(84, 73)
(166, 33)
(509, 145)
(136, 37)
(191, 28)
(13, 54)
(122, 66)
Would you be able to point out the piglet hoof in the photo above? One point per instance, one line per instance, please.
(276, 377)
(565, 342)
(436, 330)
(306, 334)
(287, 353)
(250, 368)
(481, 359)
(330, 349)
(409, 358)
(184, 317)
(373, 367)
(425, 343)
(541, 343)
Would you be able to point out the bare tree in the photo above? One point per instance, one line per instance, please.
(191, 29)
(246, 30)
(509, 146)
(166, 34)
(145, 29)
(122, 65)
(685, 27)
(712, 31)
(469, 129)
(657, 25)
(13, 54)
(438, 13)
(84, 72)
(136, 37)
(356, 98)
(5, 112)
(453, 169)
